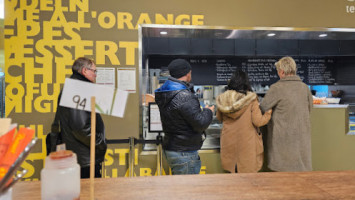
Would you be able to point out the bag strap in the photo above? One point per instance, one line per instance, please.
(55, 128)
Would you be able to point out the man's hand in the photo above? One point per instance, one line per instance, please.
(210, 107)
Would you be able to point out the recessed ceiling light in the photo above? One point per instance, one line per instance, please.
(163, 32)
(271, 34)
(323, 35)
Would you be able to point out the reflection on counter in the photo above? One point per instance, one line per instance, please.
(207, 95)
(331, 106)
(351, 124)
(213, 134)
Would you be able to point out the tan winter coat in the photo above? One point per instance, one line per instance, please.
(241, 145)
(289, 131)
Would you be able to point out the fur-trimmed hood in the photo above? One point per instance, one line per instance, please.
(232, 101)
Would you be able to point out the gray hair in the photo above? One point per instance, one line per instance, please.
(287, 64)
(80, 63)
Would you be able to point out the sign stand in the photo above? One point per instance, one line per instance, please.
(159, 154)
(131, 157)
(92, 148)
(106, 100)
(155, 126)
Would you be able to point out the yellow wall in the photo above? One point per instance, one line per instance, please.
(2, 58)
(41, 46)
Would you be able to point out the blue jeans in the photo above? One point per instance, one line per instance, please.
(183, 162)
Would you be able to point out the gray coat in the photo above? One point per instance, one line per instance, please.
(289, 130)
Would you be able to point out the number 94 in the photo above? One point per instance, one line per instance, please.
(77, 100)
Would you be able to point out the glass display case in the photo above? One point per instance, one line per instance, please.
(216, 52)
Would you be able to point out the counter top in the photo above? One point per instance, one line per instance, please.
(331, 106)
(253, 186)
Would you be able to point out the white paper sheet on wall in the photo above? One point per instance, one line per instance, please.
(77, 94)
(106, 76)
(126, 79)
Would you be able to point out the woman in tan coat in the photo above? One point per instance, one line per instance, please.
(238, 109)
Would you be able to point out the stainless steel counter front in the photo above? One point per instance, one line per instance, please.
(331, 106)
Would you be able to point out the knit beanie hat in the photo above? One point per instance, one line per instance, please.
(179, 68)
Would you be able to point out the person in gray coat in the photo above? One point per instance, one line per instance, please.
(289, 130)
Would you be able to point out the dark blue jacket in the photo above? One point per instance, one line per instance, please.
(183, 120)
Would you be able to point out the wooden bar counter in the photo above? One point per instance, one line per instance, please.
(266, 185)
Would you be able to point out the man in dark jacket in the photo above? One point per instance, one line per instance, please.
(182, 118)
(75, 125)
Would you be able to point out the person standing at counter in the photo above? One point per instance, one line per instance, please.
(289, 131)
(183, 120)
(75, 125)
(242, 148)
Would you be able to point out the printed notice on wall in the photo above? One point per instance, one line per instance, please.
(108, 100)
(126, 79)
(106, 76)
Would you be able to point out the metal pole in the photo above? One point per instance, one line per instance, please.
(131, 157)
(159, 155)
(92, 148)
(159, 160)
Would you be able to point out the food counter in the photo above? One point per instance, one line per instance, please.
(253, 186)
(332, 147)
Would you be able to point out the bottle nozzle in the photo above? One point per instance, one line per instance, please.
(61, 147)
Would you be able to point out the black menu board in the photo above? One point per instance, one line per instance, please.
(261, 70)
(318, 70)
(212, 71)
